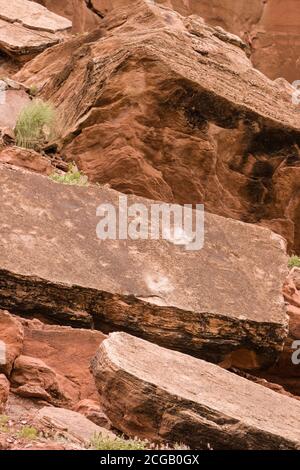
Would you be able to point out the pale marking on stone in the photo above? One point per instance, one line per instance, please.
(158, 283)
(2, 353)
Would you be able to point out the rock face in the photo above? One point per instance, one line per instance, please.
(196, 403)
(199, 125)
(27, 28)
(269, 26)
(220, 303)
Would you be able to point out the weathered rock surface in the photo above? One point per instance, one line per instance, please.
(269, 26)
(195, 402)
(80, 12)
(71, 425)
(27, 28)
(285, 372)
(92, 410)
(4, 392)
(26, 158)
(66, 350)
(169, 108)
(222, 301)
(11, 341)
(32, 378)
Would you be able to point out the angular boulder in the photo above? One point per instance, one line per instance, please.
(222, 302)
(66, 350)
(32, 378)
(73, 426)
(158, 394)
(27, 28)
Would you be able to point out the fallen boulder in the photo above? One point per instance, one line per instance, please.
(71, 425)
(32, 378)
(193, 402)
(221, 301)
(27, 28)
(66, 350)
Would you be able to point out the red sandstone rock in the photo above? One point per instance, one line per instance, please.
(31, 377)
(27, 28)
(11, 341)
(66, 350)
(28, 159)
(200, 301)
(93, 411)
(158, 394)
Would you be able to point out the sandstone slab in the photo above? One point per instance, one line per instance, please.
(158, 394)
(221, 301)
(27, 28)
(71, 425)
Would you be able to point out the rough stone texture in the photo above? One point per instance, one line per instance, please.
(276, 33)
(31, 377)
(284, 372)
(28, 159)
(171, 109)
(82, 17)
(4, 392)
(93, 411)
(11, 341)
(192, 402)
(222, 300)
(66, 350)
(269, 26)
(71, 425)
(27, 28)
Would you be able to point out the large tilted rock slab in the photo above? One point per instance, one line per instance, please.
(222, 302)
(158, 394)
(27, 28)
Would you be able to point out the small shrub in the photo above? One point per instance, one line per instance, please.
(33, 90)
(28, 432)
(3, 423)
(73, 177)
(35, 125)
(294, 262)
(101, 443)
